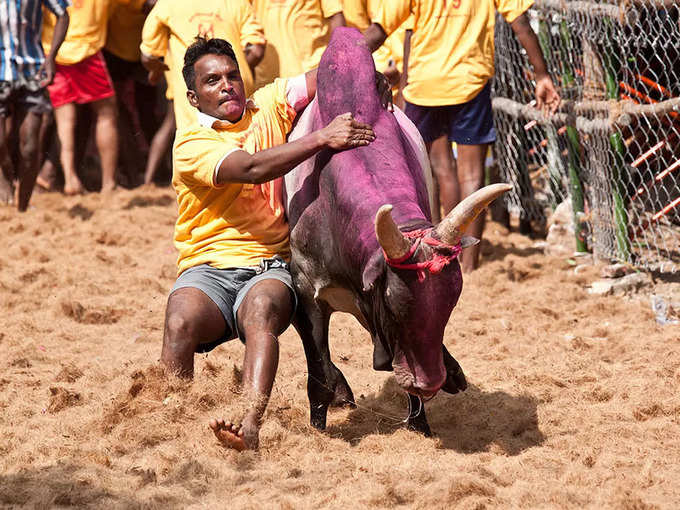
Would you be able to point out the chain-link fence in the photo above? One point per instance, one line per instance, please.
(614, 146)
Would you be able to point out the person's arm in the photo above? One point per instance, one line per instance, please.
(155, 36)
(401, 102)
(336, 20)
(252, 37)
(49, 66)
(147, 6)
(547, 98)
(254, 54)
(342, 133)
(375, 36)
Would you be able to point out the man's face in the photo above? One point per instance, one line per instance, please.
(219, 88)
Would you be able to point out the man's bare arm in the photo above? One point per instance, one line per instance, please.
(155, 66)
(254, 54)
(336, 20)
(342, 133)
(547, 98)
(375, 36)
(49, 66)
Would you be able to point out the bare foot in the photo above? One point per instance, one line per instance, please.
(6, 191)
(74, 188)
(108, 186)
(233, 436)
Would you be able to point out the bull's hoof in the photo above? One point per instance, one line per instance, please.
(317, 414)
(417, 419)
(455, 378)
(343, 396)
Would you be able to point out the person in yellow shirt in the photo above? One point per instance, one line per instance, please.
(123, 60)
(389, 57)
(171, 27)
(450, 65)
(82, 78)
(297, 33)
(231, 232)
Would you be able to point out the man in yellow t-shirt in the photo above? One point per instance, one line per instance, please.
(82, 78)
(172, 26)
(450, 65)
(389, 57)
(297, 33)
(231, 232)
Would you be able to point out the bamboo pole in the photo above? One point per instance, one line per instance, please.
(573, 144)
(555, 163)
(612, 66)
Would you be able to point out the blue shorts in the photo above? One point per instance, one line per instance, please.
(469, 123)
(228, 287)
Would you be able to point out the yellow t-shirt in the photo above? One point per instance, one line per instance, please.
(452, 46)
(297, 34)
(356, 14)
(235, 225)
(173, 25)
(87, 28)
(125, 32)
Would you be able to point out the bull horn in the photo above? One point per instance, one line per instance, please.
(451, 228)
(393, 242)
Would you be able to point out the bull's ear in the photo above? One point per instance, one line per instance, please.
(373, 270)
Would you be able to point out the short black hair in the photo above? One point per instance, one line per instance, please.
(200, 47)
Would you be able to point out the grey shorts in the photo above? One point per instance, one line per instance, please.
(26, 95)
(228, 287)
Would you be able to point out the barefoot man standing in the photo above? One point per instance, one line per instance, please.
(231, 232)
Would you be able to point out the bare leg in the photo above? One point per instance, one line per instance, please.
(471, 178)
(47, 174)
(445, 172)
(191, 318)
(264, 314)
(160, 144)
(106, 137)
(65, 116)
(6, 166)
(29, 141)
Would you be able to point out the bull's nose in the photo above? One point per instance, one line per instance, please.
(425, 390)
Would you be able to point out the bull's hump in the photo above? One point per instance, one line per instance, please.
(346, 78)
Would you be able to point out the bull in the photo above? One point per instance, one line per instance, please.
(363, 242)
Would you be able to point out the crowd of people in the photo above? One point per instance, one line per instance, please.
(150, 71)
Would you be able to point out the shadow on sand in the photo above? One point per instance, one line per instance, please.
(467, 422)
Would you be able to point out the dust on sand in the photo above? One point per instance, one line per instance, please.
(573, 399)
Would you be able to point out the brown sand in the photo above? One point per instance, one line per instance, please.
(573, 400)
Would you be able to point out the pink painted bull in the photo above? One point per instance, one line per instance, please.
(363, 241)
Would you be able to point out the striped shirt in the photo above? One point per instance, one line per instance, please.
(21, 53)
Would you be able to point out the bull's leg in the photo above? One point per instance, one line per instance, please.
(455, 378)
(311, 321)
(343, 393)
(417, 420)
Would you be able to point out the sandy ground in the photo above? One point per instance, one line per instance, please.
(573, 399)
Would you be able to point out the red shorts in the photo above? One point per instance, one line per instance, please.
(84, 82)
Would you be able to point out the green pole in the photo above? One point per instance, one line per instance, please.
(573, 142)
(612, 65)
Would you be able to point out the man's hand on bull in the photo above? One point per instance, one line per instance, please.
(344, 132)
(384, 90)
